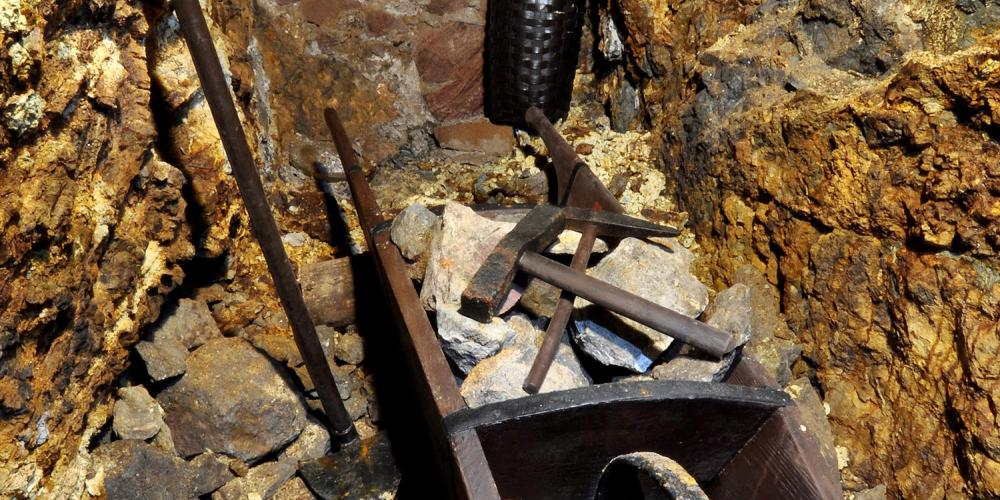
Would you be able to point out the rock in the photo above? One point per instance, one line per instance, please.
(210, 472)
(772, 343)
(458, 247)
(500, 377)
(279, 348)
(262, 481)
(731, 312)
(357, 405)
(212, 407)
(164, 440)
(312, 443)
(449, 58)
(876, 493)
(164, 359)
(661, 275)
(294, 489)
(190, 324)
(568, 241)
(136, 414)
(607, 348)
(134, 469)
(328, 290)
(539, 298)
(350, 348)
(411, 230)
(467, 341)
(478, 136)
(22, 113)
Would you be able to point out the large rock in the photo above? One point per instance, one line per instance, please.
(232, 400)
(133, 469)
(500, 377)
(467, 341)
(731, 312)
(658, 274)
(136, 414)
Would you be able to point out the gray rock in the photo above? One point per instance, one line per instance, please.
(136, 414)
(772, 342)
(164, 440)
(411, 230)
(876, 493)
(467, 341)
(294, 489)
(232, 400)
(608, 348)
(500, 377)
(539, 298)
(658, 274)
(459, 246)
(357, 405)
(280, 348)
(164, 359)
(731, 312)
(191, 325)
(134, 469)
(262, 481)
(210, 472)
(312, 443)
(350, 348)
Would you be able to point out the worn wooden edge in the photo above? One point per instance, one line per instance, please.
(551, 403)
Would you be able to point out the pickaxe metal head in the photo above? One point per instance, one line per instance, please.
(486, 292)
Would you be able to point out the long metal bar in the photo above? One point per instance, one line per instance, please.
(439, 395)
(560, 318)
(577, 186)
(234, 141)
(710, 340)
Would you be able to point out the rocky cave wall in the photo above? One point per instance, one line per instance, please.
(846, 150)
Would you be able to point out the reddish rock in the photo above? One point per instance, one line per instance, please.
(320, 11)
(449, 59)
(480, 135)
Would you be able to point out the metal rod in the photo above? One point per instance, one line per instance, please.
(234, 141)
(708, 339)
(560, 318)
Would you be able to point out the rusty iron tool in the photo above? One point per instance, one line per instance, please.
(234, 141)
(576, 186)
(488, 288)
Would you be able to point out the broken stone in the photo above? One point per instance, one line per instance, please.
(211, 407)
(478, 135)
(293, 489)
(164, 359)
(411, 230)
(813, 417)
(467, 341)
(262, 481)
(191, 325)
(500, 377)
(772, 343)
(458, 247)
(312, 443)
(210, 473)
(607, 348)
(328, 290)
(876, 493)
(540, 298)
(568, 241)
(357, 405)
(731, 312)
(136, 414)
(23, 112)
(350, 348)
(164, 440)
(134, 469)
(279, 348)
(660, 275)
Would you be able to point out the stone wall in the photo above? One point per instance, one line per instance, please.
(848, 150)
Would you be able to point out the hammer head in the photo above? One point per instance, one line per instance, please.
(485, 294)
(488, 289)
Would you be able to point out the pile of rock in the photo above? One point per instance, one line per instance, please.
(492, 359)
(233, 416)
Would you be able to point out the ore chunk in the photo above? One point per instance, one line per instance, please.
(500, 377)
(411, 230)
(191, 325)
(210, 472)
(467, 341)
(262, 481)
(133, 469)
(164, 359)
(136, 414)
(658, 274)
(213, 408)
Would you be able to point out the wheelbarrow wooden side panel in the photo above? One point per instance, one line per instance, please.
(555, 445)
